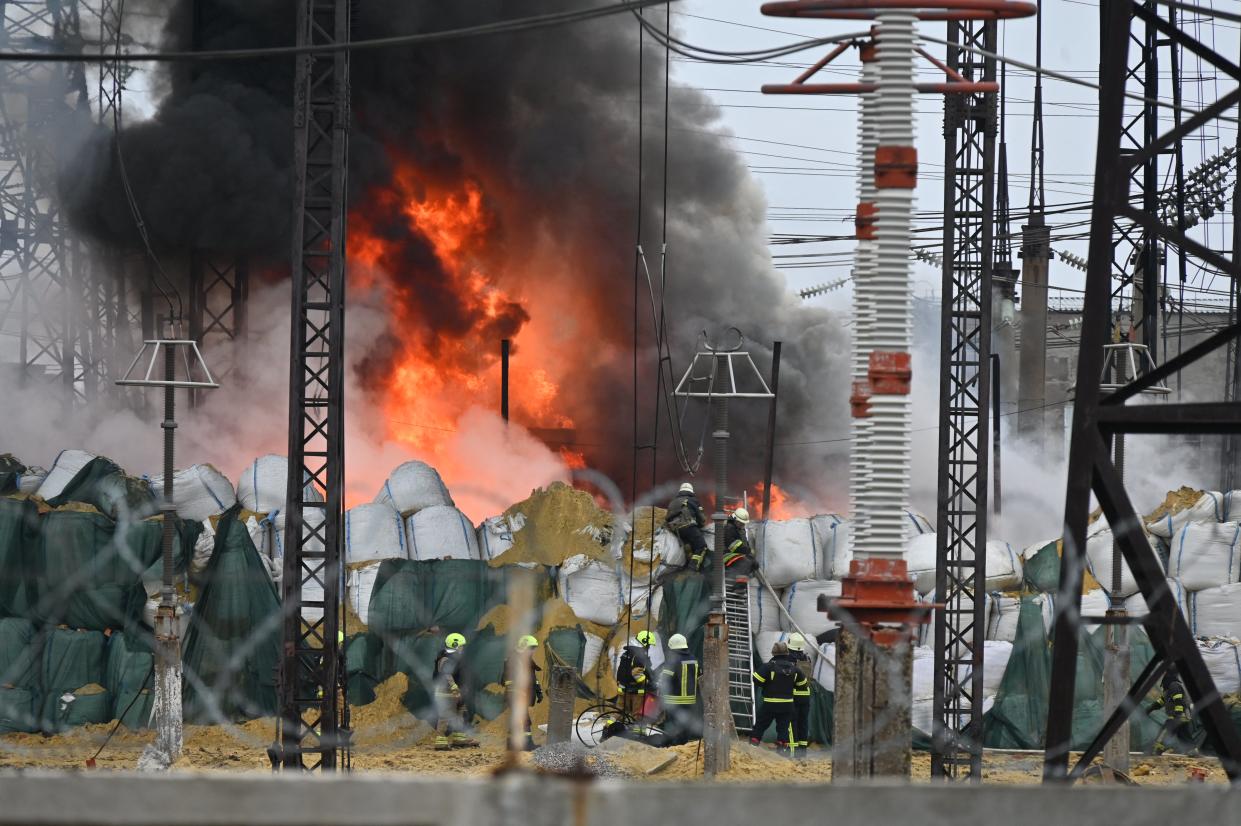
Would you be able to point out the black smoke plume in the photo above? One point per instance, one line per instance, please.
(550, 120)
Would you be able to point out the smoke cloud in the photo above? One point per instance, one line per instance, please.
(546, 124)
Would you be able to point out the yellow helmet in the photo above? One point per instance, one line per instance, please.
(528, 641)
(646, 637)
(454, 641)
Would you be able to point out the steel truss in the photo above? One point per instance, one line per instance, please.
(313, 728)
(1097, 418)
(41, 292)
(219, 295)
(969, 197)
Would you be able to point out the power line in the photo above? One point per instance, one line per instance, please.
(520, 24)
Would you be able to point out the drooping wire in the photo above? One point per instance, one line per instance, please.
(176, 311)
(633, 475)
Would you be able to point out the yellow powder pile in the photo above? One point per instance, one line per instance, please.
(560, 522)
(1176, 501)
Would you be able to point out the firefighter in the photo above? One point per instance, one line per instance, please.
(449, 707)
(778, 679)
(525, 649)
(801, 695)
(738, 556)
(1176, 733)
(686, 519)
(678, 693)
(633, 674)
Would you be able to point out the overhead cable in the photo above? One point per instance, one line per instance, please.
(520, 24)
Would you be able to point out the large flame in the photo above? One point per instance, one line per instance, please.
(428, 248)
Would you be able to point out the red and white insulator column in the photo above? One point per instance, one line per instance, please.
(863, 272)
(886, 489)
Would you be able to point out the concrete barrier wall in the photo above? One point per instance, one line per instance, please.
(80, 799)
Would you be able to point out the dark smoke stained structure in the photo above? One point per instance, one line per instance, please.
(544, 125)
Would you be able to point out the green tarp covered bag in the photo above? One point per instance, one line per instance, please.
(232, 649)
(131, 680)
(19, 710)
(71, 660)
(19, 547)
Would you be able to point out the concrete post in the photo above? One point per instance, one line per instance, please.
(873, 714)
(560, 694)
(1032, 381)
(169, 730)
(717, 715)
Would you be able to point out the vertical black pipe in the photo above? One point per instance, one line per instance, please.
(505, 346)
(995, 430)
(771, 428)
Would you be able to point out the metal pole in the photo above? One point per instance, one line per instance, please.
(169, 731)
(1116, 644)
(720, 435)
(505, 347)
(995, 431)
(771, 428)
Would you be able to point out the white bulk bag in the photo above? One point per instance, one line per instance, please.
(412, 487)
(198, 492)
(832, 536)
(764, 610)
(1216, 612)
(669, 548)
(591, 651)
(1004, 570)
(30, 481)
(495, 534)
(1205, 554)
(66, 466)
(1223, 659)
(1003, 613)
(638, 595)
(592, 589)
(374, 532)
(440, 532)
(360, 585)
(1099, 562)
(824, 668)
(920, 559)
(1135, 604)
(1210, 507)
(264, 485)
(801, 600)
(764, 640)
(269, 536)
(788, 551)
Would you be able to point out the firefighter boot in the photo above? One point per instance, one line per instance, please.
(441, 743)
(461, 741)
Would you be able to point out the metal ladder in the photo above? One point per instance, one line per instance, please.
(740, 656)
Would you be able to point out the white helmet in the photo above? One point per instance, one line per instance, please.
(741, 515)
(677, 642)
(796, 642)
(686, 487)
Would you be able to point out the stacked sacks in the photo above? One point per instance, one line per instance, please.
(440, 532)
(1099, 551)
(495, 534)
(373, 532)
(81, 477)
(68, 464)
(789, 551)
(801, 600)
(1216, 612)
(832, 535)
(20, 699)
(198, 492)
(1222, 656)
(412, 487)
(1004, 568)
(1183, 507)
(1204, 555)
(592, 589)
(72, 677)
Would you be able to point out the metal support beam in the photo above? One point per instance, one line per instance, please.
(1091, 468)
(969, 195)
(312, 730)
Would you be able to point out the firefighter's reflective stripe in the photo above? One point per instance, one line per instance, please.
(760, 677)
(688, 685)
(736, 543)
(777, 699)
(802, 692)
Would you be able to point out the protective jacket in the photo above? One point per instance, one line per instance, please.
(448, 671)
(631, 659)
(679, 679)
(536, 691)
(802, 663)
(684, 510)
(779, 679)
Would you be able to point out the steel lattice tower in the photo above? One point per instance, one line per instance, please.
(969, 198)
(313, 731)
(41, 295)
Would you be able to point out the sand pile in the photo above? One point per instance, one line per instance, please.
(1176, 501)
(560, 522)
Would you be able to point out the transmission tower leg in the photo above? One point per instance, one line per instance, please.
(312, 731)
